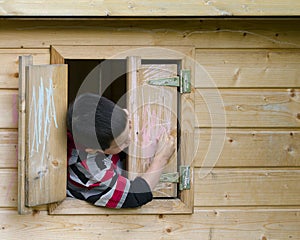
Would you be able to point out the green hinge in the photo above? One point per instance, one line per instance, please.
(171, 82)
(183, 178)
(169, 177)
(183, 82)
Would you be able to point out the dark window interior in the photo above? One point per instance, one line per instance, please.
(105, 77)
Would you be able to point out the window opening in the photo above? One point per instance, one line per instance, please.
(108, 78)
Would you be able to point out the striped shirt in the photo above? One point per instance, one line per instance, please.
(96, 179)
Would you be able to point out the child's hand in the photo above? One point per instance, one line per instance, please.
(149, 149)
(150, 139)
(165, 148)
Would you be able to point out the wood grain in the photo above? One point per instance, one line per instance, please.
(247, 68)
(8, 188)
(247, 148)
(8, 148)
(121, 52)
(24, 61)
(247, 107)
(221, 187)
(210, 223)
(9, 61)
(156, 8)
(247, 187)
(243, 148)
(187, 127)
(72, 206)
(153, 112)
(46, 143)
(200, 34)
(9, 108)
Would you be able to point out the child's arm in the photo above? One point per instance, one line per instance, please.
(165, 149)
(141, 187)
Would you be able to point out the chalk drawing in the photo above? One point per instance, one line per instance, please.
(42, 113)
(151, 109)
(156, 117)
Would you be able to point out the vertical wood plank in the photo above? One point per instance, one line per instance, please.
(158, 114)
(133, 64)
(154, 111)
(46, 103)
(23, 62)
(187, 127)
(56, 57)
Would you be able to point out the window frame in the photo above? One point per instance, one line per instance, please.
(184, 203)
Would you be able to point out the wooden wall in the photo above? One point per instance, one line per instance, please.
(253, 190)
(173, 8)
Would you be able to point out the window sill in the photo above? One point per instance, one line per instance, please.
(72, 206)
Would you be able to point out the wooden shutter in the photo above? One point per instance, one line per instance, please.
(153, 110)
(42, 140)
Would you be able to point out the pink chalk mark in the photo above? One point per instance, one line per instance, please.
(15, 114)
(151, 131)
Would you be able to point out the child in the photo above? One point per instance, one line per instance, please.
(100, 129)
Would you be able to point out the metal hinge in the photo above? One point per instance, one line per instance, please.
(183, 177)
(183, 81)
(170, 177)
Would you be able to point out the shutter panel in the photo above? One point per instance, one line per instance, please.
(153, 110)
(45, 134)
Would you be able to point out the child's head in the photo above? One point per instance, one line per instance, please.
(99, 124)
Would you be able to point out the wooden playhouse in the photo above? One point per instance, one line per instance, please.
(234, 108)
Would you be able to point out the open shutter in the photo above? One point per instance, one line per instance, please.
(153, 110)
(43, 105)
